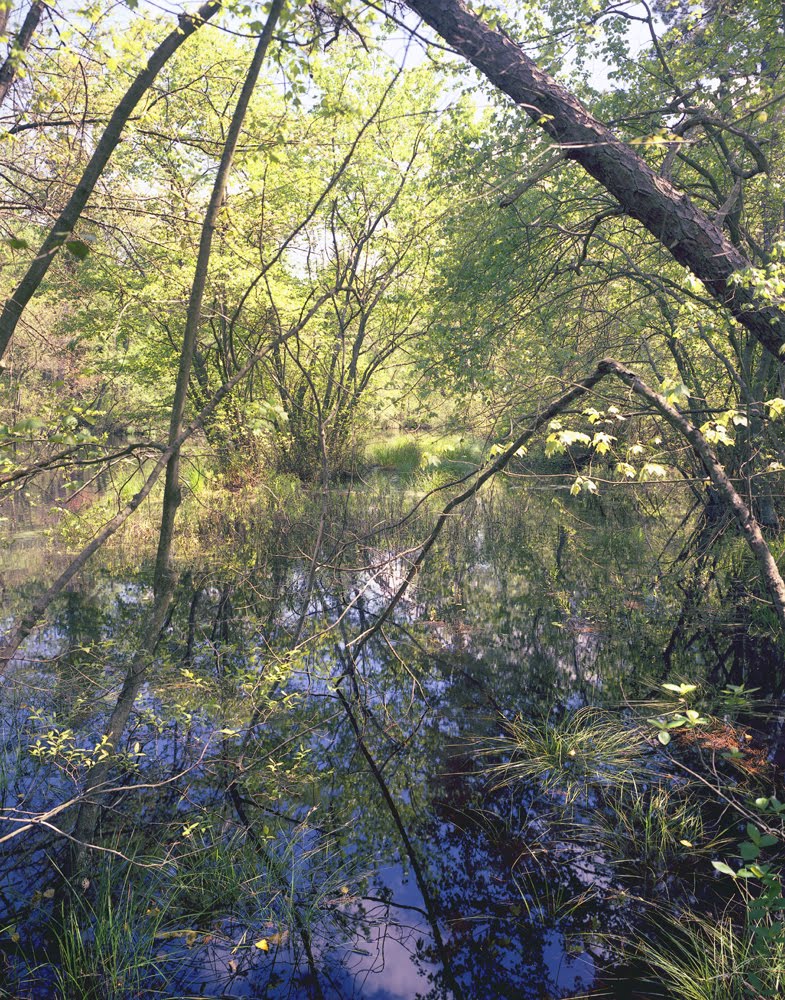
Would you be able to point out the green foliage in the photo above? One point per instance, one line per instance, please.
(106, 941)
(568, 756)
(404, 455)
(427, 453)
(377, 195)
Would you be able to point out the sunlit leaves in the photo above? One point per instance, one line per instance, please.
(601, 442)
(775, 407)
(717, 433)
(652, 470)
(682, 690)
(583, 484)
(676, 393)
(559, 441)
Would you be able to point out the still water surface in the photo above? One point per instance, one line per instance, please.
(337, 809)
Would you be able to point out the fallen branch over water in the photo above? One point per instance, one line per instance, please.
(730, 498)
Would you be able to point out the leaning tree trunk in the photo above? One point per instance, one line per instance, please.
(87, 817)
(19, 46)
(694, 239)
(64, 224)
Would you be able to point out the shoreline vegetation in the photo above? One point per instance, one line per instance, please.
(392, 481)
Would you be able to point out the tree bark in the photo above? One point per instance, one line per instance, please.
(194, 314)
(64, 225)
(19, 46)
(688, 234)
(87, 816)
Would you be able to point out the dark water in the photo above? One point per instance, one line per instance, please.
(354, 829)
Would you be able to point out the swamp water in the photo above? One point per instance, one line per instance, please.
(296, 814)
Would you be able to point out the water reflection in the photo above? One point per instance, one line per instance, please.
(311, 823)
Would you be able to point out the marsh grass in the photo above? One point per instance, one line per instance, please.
(408, 454)
(694, 958)
(647, 832)
(569, 756)
(105, 945)
(124, 933)
(657, 834)
(401, 454)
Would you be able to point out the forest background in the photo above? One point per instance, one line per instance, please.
(254, 256)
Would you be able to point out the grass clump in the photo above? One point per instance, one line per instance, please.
(407, 454)
(401, 454)
(644, 827)
(587, 748)
(693, 958)
(105, 939)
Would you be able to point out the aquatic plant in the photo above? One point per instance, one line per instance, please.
(105, 937)
(695, 958)
(583, 749)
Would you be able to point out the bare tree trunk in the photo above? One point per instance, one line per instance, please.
(695, 240)
(64, 225)
(20, 44)
(87, 816)
(194, 314)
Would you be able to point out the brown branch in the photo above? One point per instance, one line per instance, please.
(58, 460)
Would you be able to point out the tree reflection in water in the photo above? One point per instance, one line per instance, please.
(312, 823)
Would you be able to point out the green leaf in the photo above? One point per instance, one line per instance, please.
(724, 868)
(626, 470)
(716, 433)
(652, 470)
(602, 442)
(77, 248)
(676, 393)
(776, 407)
(680, 689)
(583, 485)
(748, 851)
(574, 437)
(17, 243)
(664, 737)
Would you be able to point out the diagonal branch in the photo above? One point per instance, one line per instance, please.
(64, 225)
(741, 513)
(686, 232)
